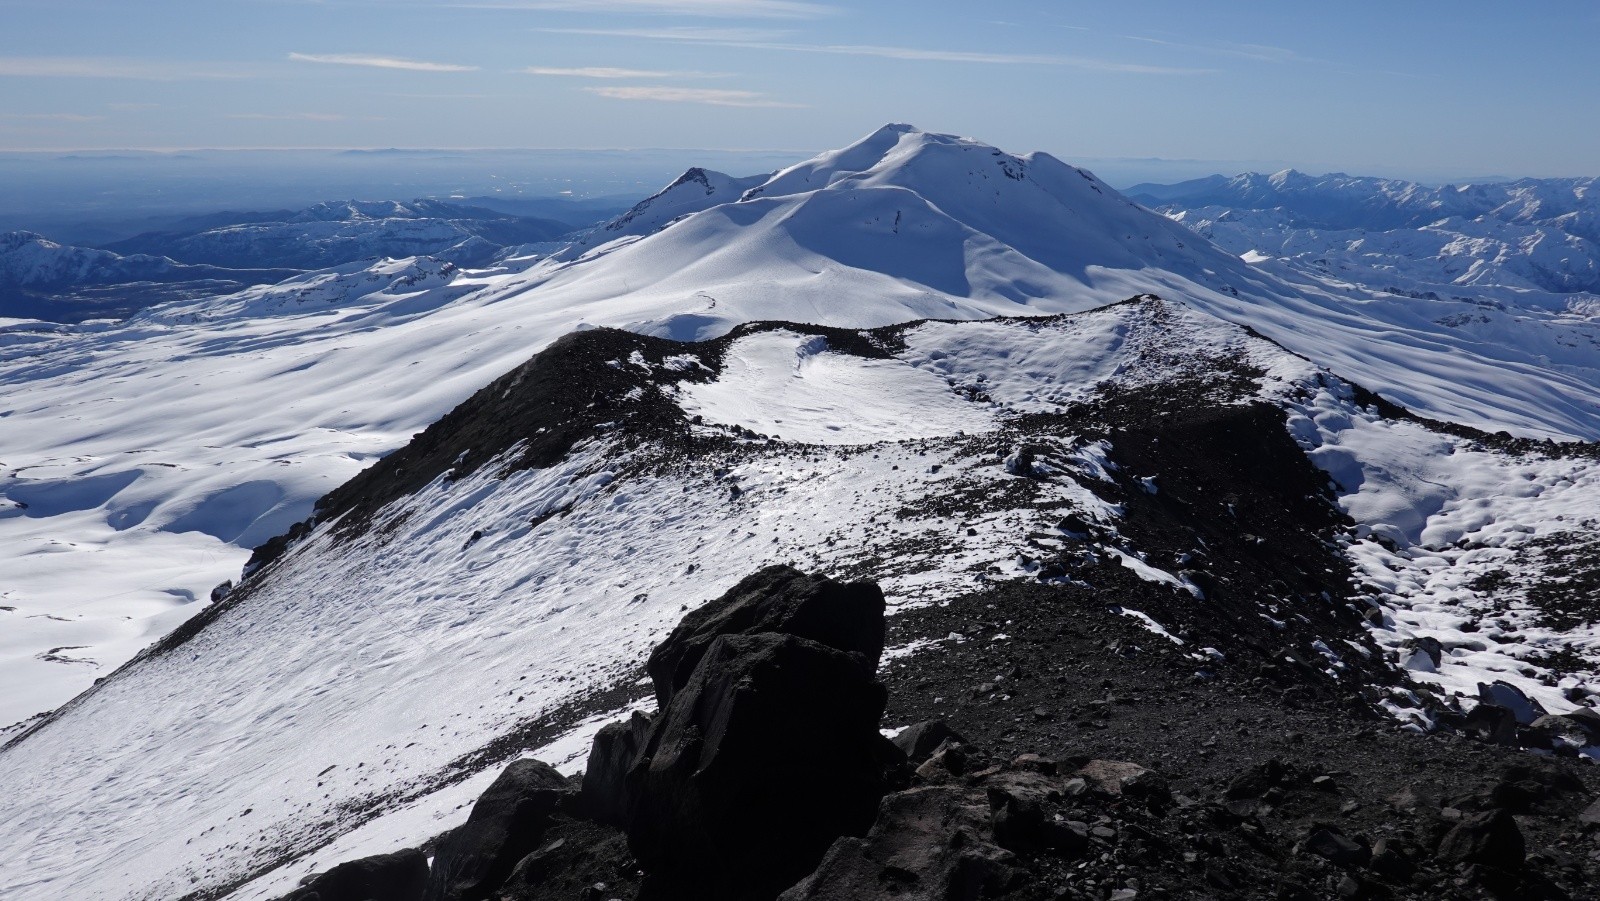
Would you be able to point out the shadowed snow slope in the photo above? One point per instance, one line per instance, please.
(218, 422)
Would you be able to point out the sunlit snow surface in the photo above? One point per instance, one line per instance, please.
(344, 700)
(151, 453)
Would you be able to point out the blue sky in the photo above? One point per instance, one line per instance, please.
(1410, 87)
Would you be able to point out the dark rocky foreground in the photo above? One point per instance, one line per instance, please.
(1071, 758)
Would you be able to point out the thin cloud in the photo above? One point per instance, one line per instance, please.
(1260, 52)
(727, 9)
(964, 56)
(608, 72)
(710, 37)
(378, 62)
(705, 96)
(51, 117)
(684, 33)
(290, 117)
(111, 67)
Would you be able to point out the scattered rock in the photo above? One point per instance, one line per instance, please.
(1109, 776)
(918, 742)
(1491, 838)
(1504, 694)
(1394, 859)
(1334, 846)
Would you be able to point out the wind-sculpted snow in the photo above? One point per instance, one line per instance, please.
(1467, 546)
(237, 412)
(788, 386)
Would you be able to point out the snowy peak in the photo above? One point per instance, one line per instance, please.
(27, 258)
(695, 190)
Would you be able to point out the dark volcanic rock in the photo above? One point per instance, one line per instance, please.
(1329, 843)
(576, 859)
(766, 754)
(506, 825)
(848, 617)
(400, 876)
(919, 741)
(928, 844)
(1394, 858)
(1490, 838)
(616, 749)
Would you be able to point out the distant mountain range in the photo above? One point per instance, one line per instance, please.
(332, 233)
(1529, 234)
(40, 279)
(224, 252)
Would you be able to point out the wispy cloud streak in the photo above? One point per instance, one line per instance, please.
(727, 9)
(712, 37)
(378, 62)
(1260, 52)
(706, 96)
(289, 117)
(609, 72)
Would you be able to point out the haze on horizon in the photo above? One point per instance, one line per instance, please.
(1410, 90)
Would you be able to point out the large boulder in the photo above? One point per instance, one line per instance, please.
(505, 825)
(763, 757)
(616, 750)
(845, 616)
(400, 876)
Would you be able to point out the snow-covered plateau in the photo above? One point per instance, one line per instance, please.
(489, 587)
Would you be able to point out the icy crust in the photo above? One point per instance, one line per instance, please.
(1469, 546)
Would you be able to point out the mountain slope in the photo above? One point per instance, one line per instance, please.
(488, 590)
(40, 279)
(176, 441)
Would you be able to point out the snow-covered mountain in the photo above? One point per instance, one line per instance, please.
(201, 429)
(41, 279)
(556, 523)
(337, 232)
(1339, 201)
(1500, 242)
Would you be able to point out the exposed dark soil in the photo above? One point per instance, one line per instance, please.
(1075, 680)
